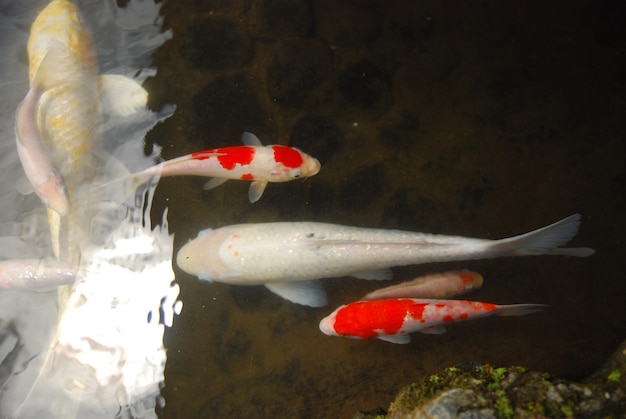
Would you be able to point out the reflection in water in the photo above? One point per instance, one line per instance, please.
(93, 348)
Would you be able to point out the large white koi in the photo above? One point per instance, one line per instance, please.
(286, 256)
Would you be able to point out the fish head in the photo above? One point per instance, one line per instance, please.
(310, 165)
(201, 256)
(291, 163)
(327, 324)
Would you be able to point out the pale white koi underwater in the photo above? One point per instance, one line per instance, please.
(287, 257)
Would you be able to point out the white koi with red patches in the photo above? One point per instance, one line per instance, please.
(252, 162)
(287, 256)
(392, 320)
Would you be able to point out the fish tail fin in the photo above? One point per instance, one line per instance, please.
(136, 179)
(519, 309)
(545, 240)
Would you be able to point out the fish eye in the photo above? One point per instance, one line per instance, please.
(295, 174)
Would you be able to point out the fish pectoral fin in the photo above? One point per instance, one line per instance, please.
(214, 183)
(397, 339)
(307, 293)
(23, 186)
(377, 275)
(204, 231)
(434, 330)
(120, 95)
(203, 277)
(256, 190)
(250, 139)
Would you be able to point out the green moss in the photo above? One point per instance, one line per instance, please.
(614, 377)
(452, 370)
(535, 407)
(567, 411)
(497, 374)
(493, 386)
(434, 379)
(502, 405)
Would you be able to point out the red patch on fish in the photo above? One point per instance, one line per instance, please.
(488, 307)
(229, 157)
(247, 176)
(365, 319)
(288, 156)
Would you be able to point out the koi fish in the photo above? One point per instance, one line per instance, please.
(252, 161)
(287, 256)
(36, 274)
(43, 176)
(439, 285)
(69, 112)
(392, 320)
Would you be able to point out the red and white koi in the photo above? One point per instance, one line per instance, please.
(392, 320)
(287, 256)
(252, 161)
(439, 285)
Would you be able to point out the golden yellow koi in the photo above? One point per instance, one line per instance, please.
(69, 112)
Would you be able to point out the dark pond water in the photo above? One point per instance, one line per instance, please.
(472, 118)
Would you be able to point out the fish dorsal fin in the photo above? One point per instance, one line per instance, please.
(256, 190)
(308, 293)
(120, 95)
(250, 139)
(377, 275)
(434, 330)
(214, 183)
(47, 72)
(397, 339)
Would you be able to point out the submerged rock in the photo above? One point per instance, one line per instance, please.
(483, 391)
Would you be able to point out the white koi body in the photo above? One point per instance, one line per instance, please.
(392, 320)
(277, 254)
(252, 162)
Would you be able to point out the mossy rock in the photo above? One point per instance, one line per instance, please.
(482, 391)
